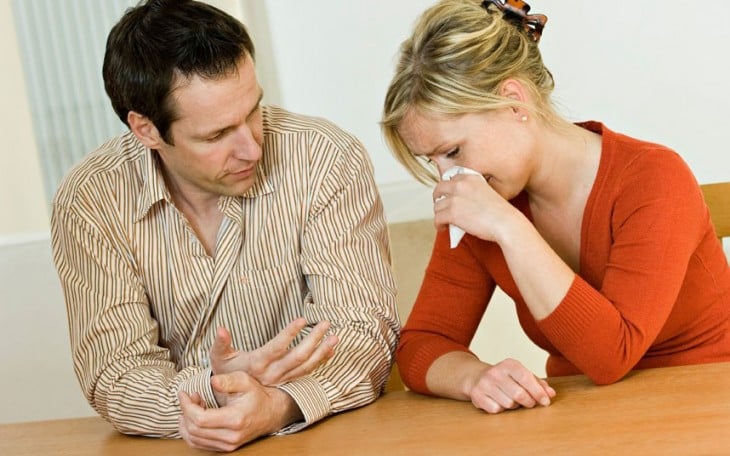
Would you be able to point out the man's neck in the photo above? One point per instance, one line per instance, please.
(200, 209)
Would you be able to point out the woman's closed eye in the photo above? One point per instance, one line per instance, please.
(452, 153)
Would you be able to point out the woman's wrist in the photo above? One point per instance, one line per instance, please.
(515, 232)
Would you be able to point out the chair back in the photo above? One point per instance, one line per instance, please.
(717, 197)
(394, 381)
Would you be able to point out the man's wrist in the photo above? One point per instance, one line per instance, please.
(290, 411)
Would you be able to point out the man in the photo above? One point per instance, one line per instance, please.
(218, 223)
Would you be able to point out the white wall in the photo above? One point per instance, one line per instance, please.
(652, 69)
(35, 356)
(334, 59)
(22, 202)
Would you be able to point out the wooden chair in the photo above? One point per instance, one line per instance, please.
(717, 197)
(394, 381)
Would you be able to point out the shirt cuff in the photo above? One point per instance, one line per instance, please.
(311, 399)
(200, 383)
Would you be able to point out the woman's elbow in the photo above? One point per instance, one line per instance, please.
(607, 375)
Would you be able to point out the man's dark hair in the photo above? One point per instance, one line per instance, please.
(159, 40)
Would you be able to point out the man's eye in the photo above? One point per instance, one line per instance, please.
(215, 137)
(255, 112)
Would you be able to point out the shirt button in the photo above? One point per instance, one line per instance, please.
(244, 280)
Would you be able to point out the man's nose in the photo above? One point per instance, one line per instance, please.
(246, 146)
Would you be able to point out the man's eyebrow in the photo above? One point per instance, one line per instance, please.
(258, 102)
(220, 130)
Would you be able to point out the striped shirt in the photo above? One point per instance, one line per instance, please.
(144, 299)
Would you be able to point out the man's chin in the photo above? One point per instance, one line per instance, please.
(240, 188)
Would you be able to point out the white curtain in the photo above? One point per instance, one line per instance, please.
(62, 48)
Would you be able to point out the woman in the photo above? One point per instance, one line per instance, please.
(603, 241)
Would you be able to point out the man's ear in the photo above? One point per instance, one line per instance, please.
(144, 130)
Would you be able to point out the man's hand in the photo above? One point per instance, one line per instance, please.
(248, 411)
(274, 363)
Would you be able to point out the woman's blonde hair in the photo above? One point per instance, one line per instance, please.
(454, 63)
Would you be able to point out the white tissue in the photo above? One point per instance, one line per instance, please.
(456, 233)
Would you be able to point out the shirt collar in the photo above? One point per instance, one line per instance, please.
(153, 184)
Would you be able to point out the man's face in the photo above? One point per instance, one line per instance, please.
(217, 136)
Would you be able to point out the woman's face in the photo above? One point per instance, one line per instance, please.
(496, 144)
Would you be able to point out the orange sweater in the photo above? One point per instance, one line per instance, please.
(653, 288)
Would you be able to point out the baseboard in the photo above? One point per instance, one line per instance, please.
(19, 239)
(405, 201)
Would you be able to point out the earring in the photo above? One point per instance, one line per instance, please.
(523, 118)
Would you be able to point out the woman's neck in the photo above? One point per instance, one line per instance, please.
(568, 159)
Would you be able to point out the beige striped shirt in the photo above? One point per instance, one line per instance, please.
(144, 299)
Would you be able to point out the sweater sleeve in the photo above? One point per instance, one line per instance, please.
(655, 211)
(449, 306)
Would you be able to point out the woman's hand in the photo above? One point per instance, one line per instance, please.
(508, 385)
(493, 388)
(469, 202)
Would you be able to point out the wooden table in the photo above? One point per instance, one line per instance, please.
(676, 410)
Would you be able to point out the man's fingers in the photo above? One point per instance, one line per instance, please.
(276, 362)
(222, 345)
(292, 367)
(202, 443)
(278, 346)
(231, 383)
(315, 349)
(197, 399)
(324, 351)
(212, 429)
(308, 346)
(188, 406)
(184, 399)
(276, 358)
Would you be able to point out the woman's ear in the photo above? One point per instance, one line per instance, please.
(515, 90)
(144, 130)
